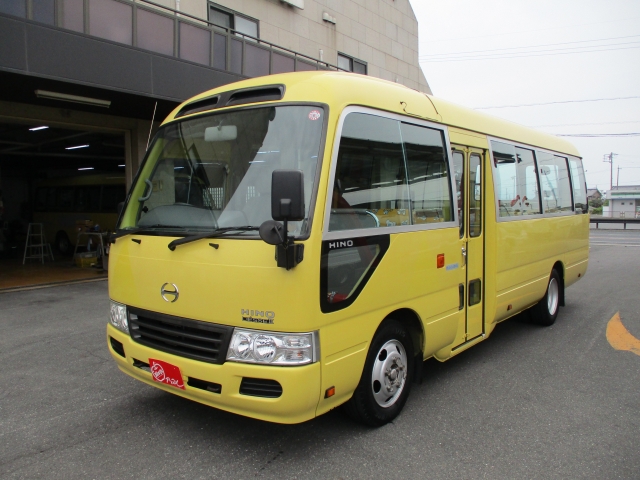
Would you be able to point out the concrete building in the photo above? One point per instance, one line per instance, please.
(624, 201)
(82, 79)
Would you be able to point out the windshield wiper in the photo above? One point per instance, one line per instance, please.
(218, 232)
(132, 231)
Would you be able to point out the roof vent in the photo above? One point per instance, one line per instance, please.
(199, 106)
(254, 95)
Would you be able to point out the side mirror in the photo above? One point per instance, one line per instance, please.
(287, 204)
(287, 195)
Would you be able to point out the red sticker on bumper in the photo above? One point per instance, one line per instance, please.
(164, 372)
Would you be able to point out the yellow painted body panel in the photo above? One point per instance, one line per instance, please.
(216, 284)
(528, 250)
(300, 384)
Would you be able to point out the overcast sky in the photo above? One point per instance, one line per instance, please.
(491, 53)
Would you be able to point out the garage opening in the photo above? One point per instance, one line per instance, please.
(59, 192)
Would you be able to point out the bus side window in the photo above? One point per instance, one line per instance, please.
(475, 195)
(65, 199)
(516, 180)
(370, 187)
(554, 183)
(458, 166)
(528, 189)
(41, 200)
(428, 172)
(504, 159)
(578, 185)
(111, 196)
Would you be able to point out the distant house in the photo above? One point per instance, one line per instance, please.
(593, 193)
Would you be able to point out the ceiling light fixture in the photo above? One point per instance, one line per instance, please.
(76, 147)
(65, 97)
(35, 129)
(121, 165)
(86, 168)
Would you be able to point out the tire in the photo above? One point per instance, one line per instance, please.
(546, 310)
(63, 245)
(386, 379)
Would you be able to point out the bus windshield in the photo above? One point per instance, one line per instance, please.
(214, 171)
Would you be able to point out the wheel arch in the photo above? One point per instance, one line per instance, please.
(410, 320)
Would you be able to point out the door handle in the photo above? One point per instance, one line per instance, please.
(464, 256)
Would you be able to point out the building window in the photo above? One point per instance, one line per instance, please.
(345, 62)
(243, 25)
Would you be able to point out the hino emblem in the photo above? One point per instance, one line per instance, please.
(169, 292)
(257, 316)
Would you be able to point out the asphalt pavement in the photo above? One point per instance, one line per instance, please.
(528, 403)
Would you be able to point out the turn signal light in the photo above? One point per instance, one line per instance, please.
(440, 262)
(331, 391)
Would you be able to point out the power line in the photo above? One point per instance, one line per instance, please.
(530, 46)
(553, 103)
(581, 124)
(597, 134)
(535, 30)
(525, 56)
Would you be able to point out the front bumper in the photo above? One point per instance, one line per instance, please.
(300, 385)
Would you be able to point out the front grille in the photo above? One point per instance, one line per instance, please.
(260, 387)
(194, 339)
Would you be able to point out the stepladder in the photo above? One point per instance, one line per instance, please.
(36, 245)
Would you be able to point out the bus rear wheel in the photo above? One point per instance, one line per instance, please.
(386, 379)
(546, 310)
(62, 243)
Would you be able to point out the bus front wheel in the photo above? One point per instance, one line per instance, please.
(386, 379)
(546, 310)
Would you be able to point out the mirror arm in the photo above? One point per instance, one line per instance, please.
(288, 253)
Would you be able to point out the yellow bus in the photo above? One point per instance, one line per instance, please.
(298, 242)
(61, 202)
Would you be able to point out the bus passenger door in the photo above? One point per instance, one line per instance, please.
(468, 164)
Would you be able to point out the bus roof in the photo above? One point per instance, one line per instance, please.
(339, 89)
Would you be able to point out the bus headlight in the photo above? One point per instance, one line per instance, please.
(118, 316)
(256, 346)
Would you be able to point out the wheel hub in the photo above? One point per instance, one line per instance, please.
(389, 373)
(553, 296)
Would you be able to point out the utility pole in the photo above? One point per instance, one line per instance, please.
(610, 161)
(618, 177)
